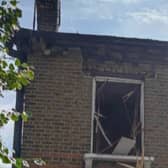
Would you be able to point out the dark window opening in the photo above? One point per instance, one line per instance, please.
(117, 125)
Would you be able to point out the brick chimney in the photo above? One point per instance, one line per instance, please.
(48, 15)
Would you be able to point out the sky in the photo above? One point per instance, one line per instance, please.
(127, 18)
(6, 132)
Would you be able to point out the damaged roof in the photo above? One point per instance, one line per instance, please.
(99, 47)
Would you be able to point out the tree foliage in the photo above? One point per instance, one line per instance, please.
(13, 74)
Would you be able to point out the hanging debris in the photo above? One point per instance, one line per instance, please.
(117, 125)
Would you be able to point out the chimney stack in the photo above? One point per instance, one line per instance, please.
(48, 15)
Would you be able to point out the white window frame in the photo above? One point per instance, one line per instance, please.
(117, 80)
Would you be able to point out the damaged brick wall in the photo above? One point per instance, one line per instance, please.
(60, 99)
(155, 104)
(60, 102)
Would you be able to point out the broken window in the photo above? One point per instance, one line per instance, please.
(117, 120)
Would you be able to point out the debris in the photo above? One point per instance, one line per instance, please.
(128, 95)
(102, 131)
(124, 146)
(114, 143)
(117, 125)
(125, 165)
(99, 115)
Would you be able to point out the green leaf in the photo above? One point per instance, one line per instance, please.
(0, 144)
(10, 78)
(11, 67)
(24, 81)
(17, 62)
(5, 159)
(24, 116)
(31, 75)
(4, 64)
(18, 85)
(6, 151)
(14, 117)
(3, 119)
(24, 65)
(18, 13)
(18, 163)
(13, 2)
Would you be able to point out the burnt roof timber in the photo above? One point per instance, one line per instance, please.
(81, 39)
(68, 40)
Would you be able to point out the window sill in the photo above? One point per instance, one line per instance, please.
(89, 157)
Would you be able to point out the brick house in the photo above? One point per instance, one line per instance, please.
(96, 101)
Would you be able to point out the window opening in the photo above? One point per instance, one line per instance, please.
(117, 123)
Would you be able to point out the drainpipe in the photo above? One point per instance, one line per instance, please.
(22, 55)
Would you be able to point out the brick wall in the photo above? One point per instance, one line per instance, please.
(60, 100)
(155, 104)
(48, 15)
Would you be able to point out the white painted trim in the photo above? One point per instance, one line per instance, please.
(142, 114)
(104, 157)
(117, 80)
(93, 111)
(89, 157)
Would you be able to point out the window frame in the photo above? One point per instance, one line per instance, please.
(117, 80)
